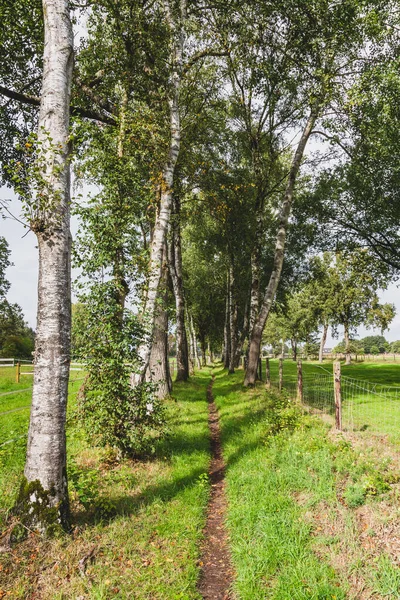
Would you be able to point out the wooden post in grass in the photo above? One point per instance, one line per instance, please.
(260, 369)
(338, 395)
(299, 382)
(267, 374)
(280, 386)
(18, 372)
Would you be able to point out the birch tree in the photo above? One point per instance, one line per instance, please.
(43, 498)
(176, 18)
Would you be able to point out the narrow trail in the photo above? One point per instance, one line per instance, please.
(217, 573)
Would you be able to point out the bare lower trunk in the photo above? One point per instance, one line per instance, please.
(294, 349)
(347, 344)
(255, 281)
(203, 350)
(227, 333)
(232, 322)
(190, 335)
(163, 216)
(323, 342)
(175, 269)
(43, 498)
(158, 363)
(256, 333)
(195, 350)
(243, 336)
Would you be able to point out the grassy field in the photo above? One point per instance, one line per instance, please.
(370, 393)
(307, 513)
(14, 422)
(312, 514)
(142, 521)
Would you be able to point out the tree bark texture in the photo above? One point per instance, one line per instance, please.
(227, 329)
(323, 342)
(347, 344)
(175, 269)
(43, 498)
(163, 216)
(256, 332)
(242, 338)
(232, 321)
(158, 362)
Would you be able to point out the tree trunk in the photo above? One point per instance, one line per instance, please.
(203, 350)
(43, 497)
(196, 353)
(158, 362)
(255, 280)
(190, 334)
(294, 348)
(323, 342)
(175, 269)
(227, 332)
(163, 216)
(347, 344)
(256, 333)
(243, 336)
(232, 322)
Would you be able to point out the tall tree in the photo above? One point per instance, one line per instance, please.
(43, 498)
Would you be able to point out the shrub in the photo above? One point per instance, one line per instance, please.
(283, 414)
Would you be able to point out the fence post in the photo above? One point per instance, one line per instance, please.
(267, 374)
(299, 382)
(260, 369)
(280, 387)
(18, 372)
(338, 395)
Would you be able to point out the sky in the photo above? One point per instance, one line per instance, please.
(23, 274)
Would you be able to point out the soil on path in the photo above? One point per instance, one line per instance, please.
(217, 574)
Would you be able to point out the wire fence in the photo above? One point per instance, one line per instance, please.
(365, 405)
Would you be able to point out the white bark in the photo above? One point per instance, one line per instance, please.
(256, 333)
(46, 453)
(164, 213)
(323, 342)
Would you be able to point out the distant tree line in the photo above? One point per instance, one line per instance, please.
(16, 337)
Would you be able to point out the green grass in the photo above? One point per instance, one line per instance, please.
(295, 500)
(14, 428)
(145, 519)
(370, 393)
(286, 485)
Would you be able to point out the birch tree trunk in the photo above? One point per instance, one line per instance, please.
(294, 348)
(256, 332)
(195, 351)
(227, 329)
(347, 343)
(323, 342)
(43, 497)
(243, 336)
(232, 321)
(158, 371)
(175, 269)
(164, 213)
(203, 350)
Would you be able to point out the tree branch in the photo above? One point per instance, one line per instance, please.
(333, 139)
(75, 110)
(199, 56)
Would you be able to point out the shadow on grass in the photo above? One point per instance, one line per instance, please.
(174, 448)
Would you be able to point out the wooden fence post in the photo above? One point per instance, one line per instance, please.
(260, 369)
(338, 395)
(18, 372)
(280, 387)
(299, 382)
(267, 374)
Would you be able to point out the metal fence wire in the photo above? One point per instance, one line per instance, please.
(365, 405)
